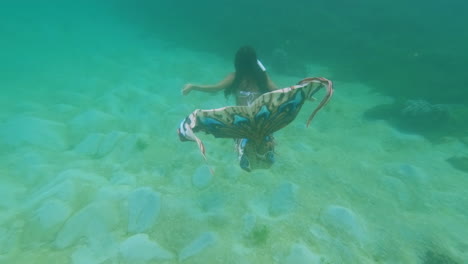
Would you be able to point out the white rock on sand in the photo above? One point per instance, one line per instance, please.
(108, 143)
(89, 145)
(410, 174)
(28, 130)
(300, 254)
(65, 186)
(128, 147)
(84, 255)
(398, 190)
(343, 220)
(143, 209)
(197, 245)
(94, 222)
(52, 213)
(139, 248)
(91, 121)
(98, 145)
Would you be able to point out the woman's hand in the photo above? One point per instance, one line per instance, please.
(187, 89)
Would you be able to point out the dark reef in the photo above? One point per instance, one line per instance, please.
(433, 121)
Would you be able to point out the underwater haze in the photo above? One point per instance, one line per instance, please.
(92, 169)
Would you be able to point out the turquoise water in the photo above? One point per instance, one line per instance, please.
(92, 171)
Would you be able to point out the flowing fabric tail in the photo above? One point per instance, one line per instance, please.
(329, 93)
(186, 133)
(267, 114)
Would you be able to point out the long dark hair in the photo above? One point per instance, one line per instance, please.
(248, 69)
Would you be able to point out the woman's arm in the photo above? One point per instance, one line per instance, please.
(209, 88)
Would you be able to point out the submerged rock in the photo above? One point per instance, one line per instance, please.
(94, 222)
(424, 111)
(128, 147)
(109, 142)
(407, 173)
(143, 209)
(398, 190)
(89, 145)
(52, 213)
(283, 199)
(66, 186)
(98, 145)
(196, 246)
(343, 220)
(139, 247)
(433, 121)
(84, 255)
(123, 178)
(300, 254)
(91, 121)
(320, 234)
(28, 130)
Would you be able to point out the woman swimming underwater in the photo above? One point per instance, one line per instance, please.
(247, 83)
(261, 110)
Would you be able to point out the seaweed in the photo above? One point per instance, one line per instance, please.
(141, 144)
(258, 236)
